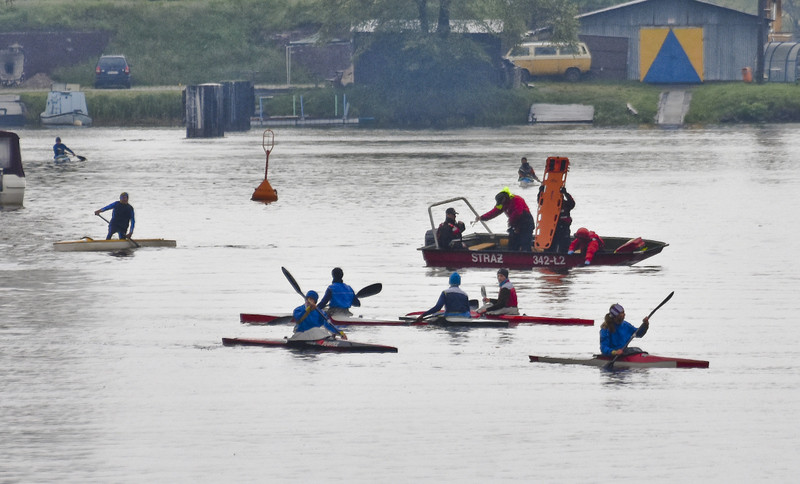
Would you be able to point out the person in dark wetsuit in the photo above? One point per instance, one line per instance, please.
(340, 295)
(561, 235)
(526, 171)
(121, 216)
(450, 231)
(60, 149)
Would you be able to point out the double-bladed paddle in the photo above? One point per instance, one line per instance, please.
(610, 364)
(366, 291)
(297, 289)
(81, 158)
(136, 244)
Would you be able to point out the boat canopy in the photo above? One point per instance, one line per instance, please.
(10, 159)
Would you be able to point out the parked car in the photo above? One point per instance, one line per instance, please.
(549, 59)
(112, 70)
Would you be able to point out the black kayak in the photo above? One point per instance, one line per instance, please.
(336, 345)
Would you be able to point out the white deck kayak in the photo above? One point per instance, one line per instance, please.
(88, 244)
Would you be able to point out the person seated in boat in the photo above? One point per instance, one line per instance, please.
(526, 171)
(121, 215)
(561, 235)
(520, 220)
(450, 231)
(453, 299)
(615, 332)
(506, 302)
(588, 242)
(312, 324)
(60, 149)
(340, 295)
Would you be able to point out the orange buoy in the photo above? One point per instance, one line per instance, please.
(265, 192)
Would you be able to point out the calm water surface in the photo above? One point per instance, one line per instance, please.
(112, 369)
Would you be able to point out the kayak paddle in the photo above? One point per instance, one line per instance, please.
(610, 364)
(81, 158)
(370, 290)
(133, 241)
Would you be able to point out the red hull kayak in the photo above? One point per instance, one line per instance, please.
(357, 321)
(636, 360)
(336, 345)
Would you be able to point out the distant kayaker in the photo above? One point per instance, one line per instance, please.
(121, 216)
(454, 300)
(450, 231)
(506, 302)
(561, 235)
(520, 220)
(312, 324)
(340, 296)
(588, 242)
(526, 171)
(61, 149)
(616, 332)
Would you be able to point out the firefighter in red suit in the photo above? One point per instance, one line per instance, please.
(588, 242)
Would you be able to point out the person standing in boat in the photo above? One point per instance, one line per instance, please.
(453, 299)
(312, 324)
(526, 171)
(121, 216)
(450, 231)
(616, 332)
(520, 220)
(506, 302)
(60, 149)
(561, 235)
(588, 242)
(340, 296)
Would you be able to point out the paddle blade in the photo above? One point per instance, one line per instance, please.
(370, 290)
(662, 303)
(483, 291)
(265, 193)
(82, 158)
(292, 281)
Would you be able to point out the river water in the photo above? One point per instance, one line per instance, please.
(112, 368)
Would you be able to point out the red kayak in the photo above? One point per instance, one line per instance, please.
(335, 345)
(407, 320)
(636, 360)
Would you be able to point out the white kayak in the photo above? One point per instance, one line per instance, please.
(88, 244)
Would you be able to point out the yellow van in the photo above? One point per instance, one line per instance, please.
(549, 59)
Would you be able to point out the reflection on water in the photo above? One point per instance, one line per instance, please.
(112, 370)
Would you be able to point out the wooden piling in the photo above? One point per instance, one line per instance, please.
(239, 101)
(204, 111)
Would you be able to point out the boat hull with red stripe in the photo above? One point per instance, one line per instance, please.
(513, 320)
(328, 345)
(636, 360)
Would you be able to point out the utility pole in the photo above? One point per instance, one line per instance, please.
(763, 19)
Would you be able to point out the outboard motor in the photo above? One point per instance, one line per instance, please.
(429, 238)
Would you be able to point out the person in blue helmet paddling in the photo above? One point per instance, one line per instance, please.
(121, 215)
(340, 295)
(616, 332)
(454, 300)
(311, 322)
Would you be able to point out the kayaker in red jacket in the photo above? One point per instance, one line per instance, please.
(588, 242)
(506, 302)
(520, 220)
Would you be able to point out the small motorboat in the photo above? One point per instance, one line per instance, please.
(331, 345)
(65, 106)
(88, 244)
(12, 176)
(635, 360)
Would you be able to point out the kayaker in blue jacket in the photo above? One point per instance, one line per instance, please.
(312, 324)
(340, 296)
(121, 216)
(616, 332)
(60, 149)
(454, 300)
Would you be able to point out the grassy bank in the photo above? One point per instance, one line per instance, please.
(712, 104)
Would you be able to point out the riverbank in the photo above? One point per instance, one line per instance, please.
(712, 104)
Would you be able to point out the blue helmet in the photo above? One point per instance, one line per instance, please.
(313, 295)
(455, 279)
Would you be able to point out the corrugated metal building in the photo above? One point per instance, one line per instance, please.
(670, 41)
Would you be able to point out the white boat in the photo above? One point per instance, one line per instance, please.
(65, 107)
(12, 110)
(88, 244)
(12, 176)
